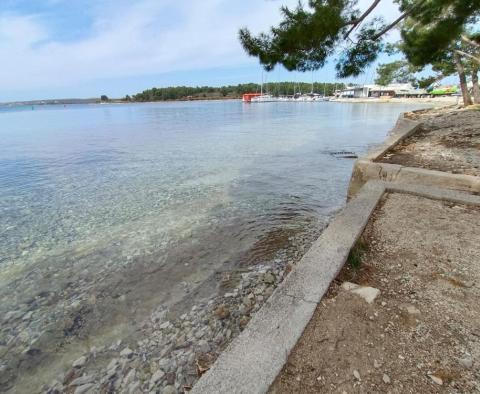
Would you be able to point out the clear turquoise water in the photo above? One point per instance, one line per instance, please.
(71, 174)
(106, 202)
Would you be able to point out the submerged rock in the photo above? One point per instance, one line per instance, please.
(222, 312)
(82, 380)
(269, 278)
(156, 377)
(79, 362)
(127, 352)
(84, 389)
(174, 353)
(169, 390)
(203, 346)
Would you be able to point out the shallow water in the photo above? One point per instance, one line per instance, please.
(108, 211)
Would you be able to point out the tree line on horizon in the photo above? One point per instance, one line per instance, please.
(233, 91)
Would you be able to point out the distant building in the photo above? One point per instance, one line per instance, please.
(353, 92)
(377, 91)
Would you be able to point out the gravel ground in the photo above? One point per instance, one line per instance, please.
(421, 334)
(447, 141)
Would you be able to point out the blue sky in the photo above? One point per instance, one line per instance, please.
(85, 48)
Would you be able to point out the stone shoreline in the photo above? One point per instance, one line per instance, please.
(176, 351)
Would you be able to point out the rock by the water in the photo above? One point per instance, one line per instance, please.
(112, 364)
(436, 379)
(367, 293)
(269, 278)
(134, 388)
(222, 312)
(12, 315)
(243, 321)
(169, 390)
(27, 316)
(130, 377)
(79, 362)
(170, 377)
(165, 325)
(84, 389)
(127, 352)
(203, 346)
(166, 364)
(178, 344)
(156, 377)
(82, 380)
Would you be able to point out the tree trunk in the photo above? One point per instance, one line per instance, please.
(463, 79)
(476, 88)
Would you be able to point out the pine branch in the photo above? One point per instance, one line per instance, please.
(359, 20)
(397, 21)
(460, 52)
(469, 41)
(391, 25)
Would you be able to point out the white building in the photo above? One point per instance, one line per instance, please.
(392, 90)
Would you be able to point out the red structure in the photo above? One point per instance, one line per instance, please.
(247, 97)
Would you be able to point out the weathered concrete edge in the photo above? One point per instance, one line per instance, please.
(434, 193)
(366, 170)
(404, 128)
(253, 360)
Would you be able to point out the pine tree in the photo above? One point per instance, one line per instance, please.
(399, 71)
(308, 35)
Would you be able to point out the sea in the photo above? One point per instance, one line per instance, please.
(113, 210)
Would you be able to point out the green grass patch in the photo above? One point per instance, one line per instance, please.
(354, 258)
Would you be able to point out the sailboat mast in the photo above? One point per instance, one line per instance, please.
(261, 85)
(312, 83)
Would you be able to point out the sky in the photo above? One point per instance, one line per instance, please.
(85, 48)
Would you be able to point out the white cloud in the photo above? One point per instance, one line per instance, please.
(140, 38)
(20, 32)
(127, 39)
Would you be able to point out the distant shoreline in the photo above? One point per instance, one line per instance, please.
(97, 101)
(435, 100)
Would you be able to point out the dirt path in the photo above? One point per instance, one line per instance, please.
(448, 141)
(421, 334)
